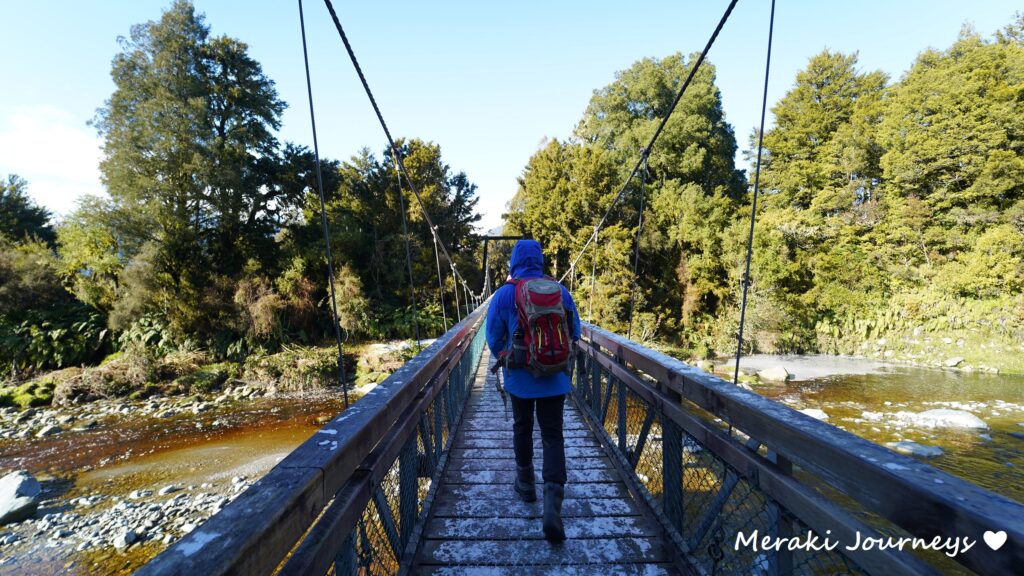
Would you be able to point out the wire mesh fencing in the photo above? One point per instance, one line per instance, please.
(716, 515)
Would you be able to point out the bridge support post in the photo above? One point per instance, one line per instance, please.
(621, 403)
(345, 561)
(672, 467)
(408, 485)
(779, 525)
(595, 383)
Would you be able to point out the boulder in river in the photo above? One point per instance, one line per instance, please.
(19, 497)
(944, 418)
(775, 374)
(915, 449)
(815, 413)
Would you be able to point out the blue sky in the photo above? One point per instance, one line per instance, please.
(487, 81)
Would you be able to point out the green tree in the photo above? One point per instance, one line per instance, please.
(20, 217)
(801, 158)
(190, 157)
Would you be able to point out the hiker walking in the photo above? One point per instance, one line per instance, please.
(531, 326)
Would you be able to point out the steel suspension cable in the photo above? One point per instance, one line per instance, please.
(636, 248)
(753, 208)
(661, 126)
(387, 133)
(408, 253)
(323, 214)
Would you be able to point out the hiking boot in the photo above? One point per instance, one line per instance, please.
(524, 485)
(554, 531)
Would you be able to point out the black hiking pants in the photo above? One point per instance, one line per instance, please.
(549, 417)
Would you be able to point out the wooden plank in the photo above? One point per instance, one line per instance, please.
(479, 508)
(479, 453)
(507, 434)
(530, 528)
(503, 491)
(506, 477)
(496, 425)
(509, 463)
(540, 552)
(579, 570)
(507, 443)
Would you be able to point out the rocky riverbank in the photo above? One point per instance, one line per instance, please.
(93, 534)
(122, 479)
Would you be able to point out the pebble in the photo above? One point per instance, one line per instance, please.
(139, 494)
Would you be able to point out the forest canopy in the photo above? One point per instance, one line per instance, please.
(887, 207)
(890, 208)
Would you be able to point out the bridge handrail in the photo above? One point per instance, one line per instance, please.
(914, 496)
(257, 531)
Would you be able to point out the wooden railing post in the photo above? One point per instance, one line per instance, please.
(345, 561)
(595, 383)
(620, 423)
(779, 526)
(672, 466)
(408, 490)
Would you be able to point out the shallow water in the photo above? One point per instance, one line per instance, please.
(200, 453)
(845, 388)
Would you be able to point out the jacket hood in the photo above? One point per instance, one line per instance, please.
(527, 260)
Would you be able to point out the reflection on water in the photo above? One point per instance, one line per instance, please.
(847, 388)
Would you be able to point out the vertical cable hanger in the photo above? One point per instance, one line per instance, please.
(440, 283)
(408, 252)
(753, 208)
(636, 247)
(593, 278)
(323, 215)
(455, 288)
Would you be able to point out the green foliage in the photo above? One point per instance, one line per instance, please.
(20, 218)
(874, 196)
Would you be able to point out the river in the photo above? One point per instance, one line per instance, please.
(879, 401)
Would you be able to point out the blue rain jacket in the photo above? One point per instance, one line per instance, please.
(502, 320)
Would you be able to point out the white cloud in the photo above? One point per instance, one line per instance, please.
(54, 151)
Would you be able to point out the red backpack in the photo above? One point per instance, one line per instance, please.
(542, 343)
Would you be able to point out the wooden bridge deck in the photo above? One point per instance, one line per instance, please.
(477, 525)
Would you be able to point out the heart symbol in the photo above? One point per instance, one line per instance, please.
(995, 540)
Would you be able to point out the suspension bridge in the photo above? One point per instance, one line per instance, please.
(670, 471)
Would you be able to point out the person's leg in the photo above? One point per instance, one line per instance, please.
(522, 445)
(549, 416)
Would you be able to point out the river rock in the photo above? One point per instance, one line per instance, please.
(19, 497)
(775, 374)
(944, 418)
(915, 449)
(139, 494)
(168, 489)
(953, 362)
(815, 413)
(124, 539)
(49, 431)
(8, 538)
